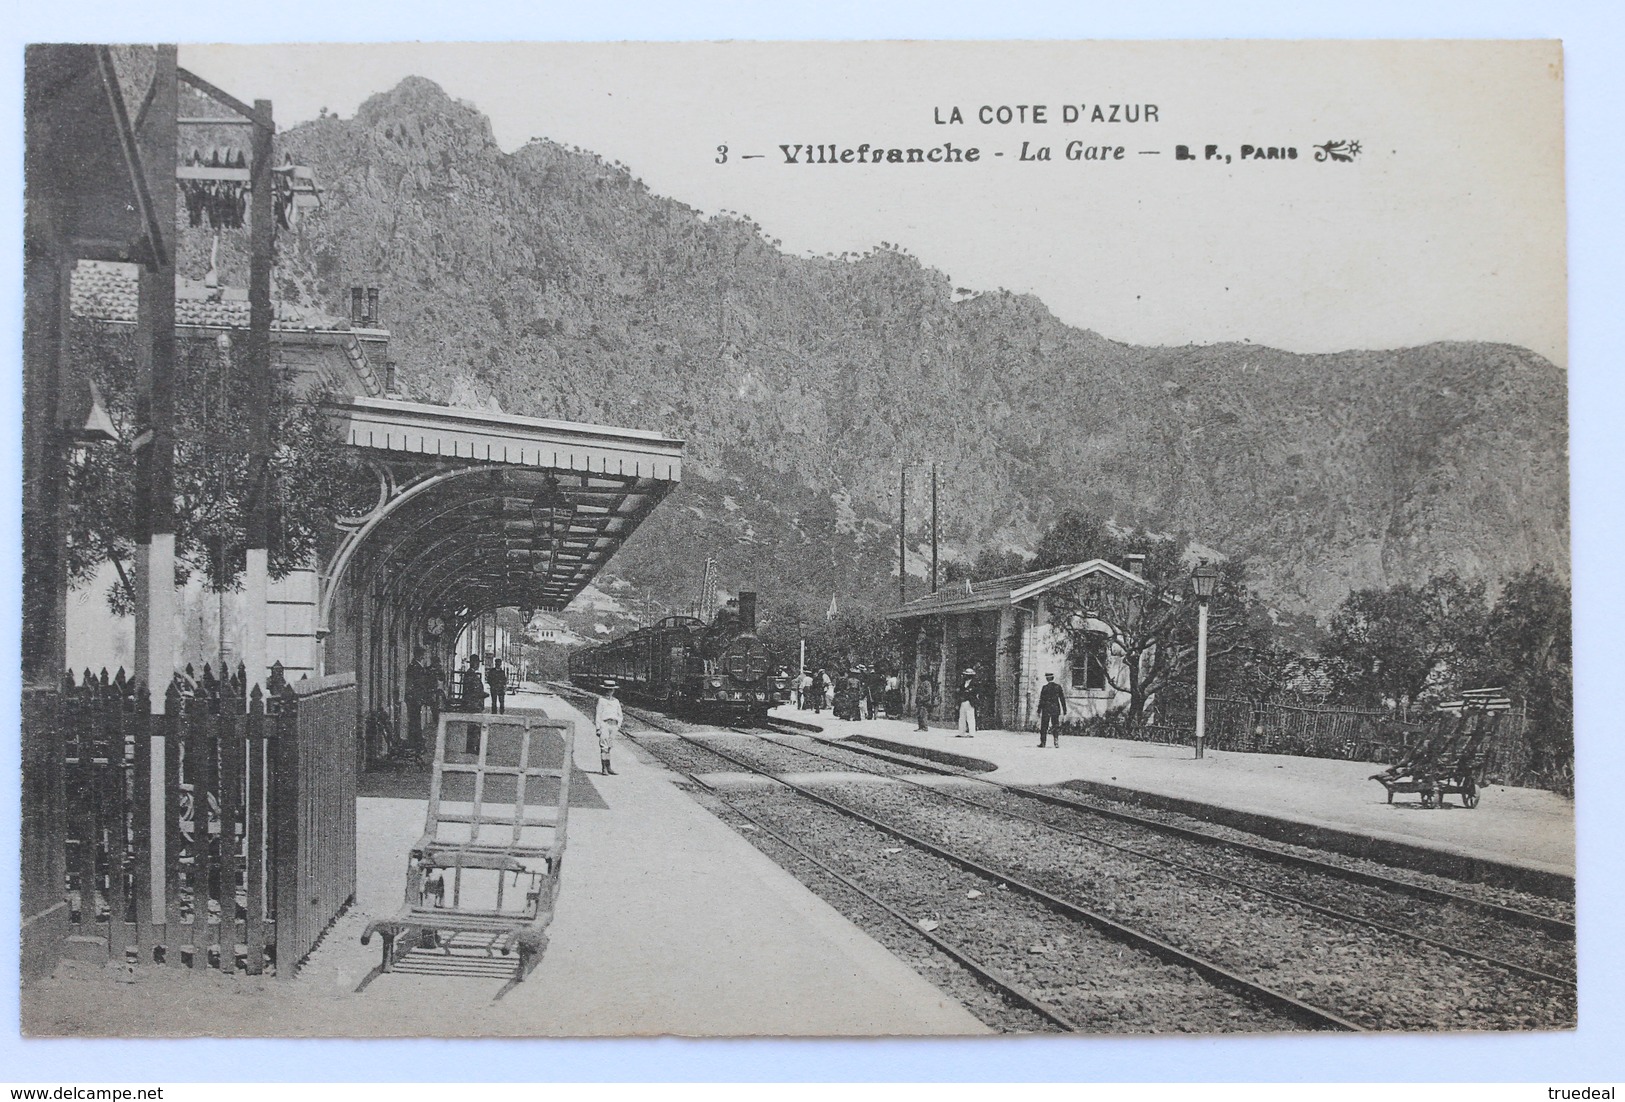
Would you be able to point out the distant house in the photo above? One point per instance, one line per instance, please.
(1003, 628)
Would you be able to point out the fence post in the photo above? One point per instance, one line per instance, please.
(195, 766)
(256, 838)
(116, 727)
(232, 731)
(141, 730)
(172, 728)
(84, 823)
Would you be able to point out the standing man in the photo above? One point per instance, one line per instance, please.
(803, 689)
(497, 679)
(1051, 707)
(607, 720)
(473, 687)
(968, 689)
(925, 699)
(420, 689)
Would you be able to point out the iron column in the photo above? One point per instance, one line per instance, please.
(1203, 579)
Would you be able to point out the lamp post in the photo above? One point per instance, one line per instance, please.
(1203, 579)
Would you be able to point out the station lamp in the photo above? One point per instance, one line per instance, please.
(1203, 579)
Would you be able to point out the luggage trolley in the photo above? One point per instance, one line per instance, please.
(485, 873)
(1453, 759)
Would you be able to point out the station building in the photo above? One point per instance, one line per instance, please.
(1007, 631)
(475, 511)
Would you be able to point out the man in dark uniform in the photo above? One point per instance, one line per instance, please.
(497, 678)
(420, 691)
(1051, 707)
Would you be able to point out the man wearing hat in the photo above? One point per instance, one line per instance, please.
(607, 719)
(967, 704)
(1051, 707)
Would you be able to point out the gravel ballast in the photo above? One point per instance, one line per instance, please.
(1098, 983)
(1379, 980)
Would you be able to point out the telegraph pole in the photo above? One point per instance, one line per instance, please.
(933, 527)
(155, 462)
(902, 536)
(261, 228)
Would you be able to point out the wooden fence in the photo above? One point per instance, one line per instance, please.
(217, 834)
(315, 781)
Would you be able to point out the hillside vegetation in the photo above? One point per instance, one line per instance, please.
(555, 284)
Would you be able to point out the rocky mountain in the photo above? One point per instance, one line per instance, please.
(556, 284)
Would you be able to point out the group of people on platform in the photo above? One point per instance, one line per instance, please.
(859, 693)
(427, 694)
(972, 694)
(474, 684)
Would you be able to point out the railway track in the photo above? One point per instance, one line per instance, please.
(1240, 1002)
(1291, 879)
(1550, 924)
(1175, 850)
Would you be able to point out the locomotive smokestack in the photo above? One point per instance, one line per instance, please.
(747, 611)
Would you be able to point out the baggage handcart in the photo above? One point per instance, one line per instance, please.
(1452, 758)
(485, 873)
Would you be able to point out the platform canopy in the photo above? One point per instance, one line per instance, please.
(479, 510)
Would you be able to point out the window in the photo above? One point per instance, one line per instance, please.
(1089, 662)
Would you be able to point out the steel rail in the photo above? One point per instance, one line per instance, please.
(1001, 983)
(1318, 908)
(1215, 974)
(1512, 916)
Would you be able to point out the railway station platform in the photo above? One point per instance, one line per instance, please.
(1524, 834)
(668, 923)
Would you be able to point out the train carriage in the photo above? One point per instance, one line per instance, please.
(682, 663)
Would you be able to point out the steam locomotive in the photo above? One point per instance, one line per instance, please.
(684, 664)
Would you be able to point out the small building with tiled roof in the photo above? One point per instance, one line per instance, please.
(1003, 629)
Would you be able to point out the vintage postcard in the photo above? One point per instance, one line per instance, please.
(796, 539)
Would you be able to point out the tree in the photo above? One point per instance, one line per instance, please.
(990, 563)
(850, 638)
(1403, 644)
(1529, 650)
(311, 475)
(1075, 537)
(1151, 628)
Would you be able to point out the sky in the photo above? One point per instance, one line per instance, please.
(1448, 224)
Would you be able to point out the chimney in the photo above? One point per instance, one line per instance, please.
(372, 307)
(357, 307)
(1136, 564)
(747, 610)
